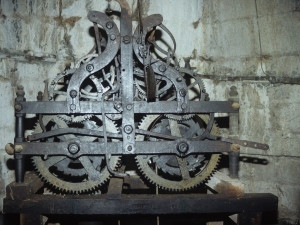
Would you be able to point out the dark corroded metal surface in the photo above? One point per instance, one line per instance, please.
(142, 204)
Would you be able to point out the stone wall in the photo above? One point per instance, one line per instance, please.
(251, 44)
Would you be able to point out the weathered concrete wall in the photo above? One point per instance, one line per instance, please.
(252, 44)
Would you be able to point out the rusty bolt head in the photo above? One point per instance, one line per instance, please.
(9, 148)
(109, 25)
(90, 67)
(182, 92)
(128, 129)
(162, 68)
(126, 39)
(18, 107)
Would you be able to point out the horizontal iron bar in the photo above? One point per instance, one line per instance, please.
(139, 107)
(141, 147)
(63, 131)
(141, 204)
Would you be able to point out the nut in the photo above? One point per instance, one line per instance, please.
(182, 147)
(235, 106)
(73, 148)
(18, 107)
(109, 25)
(126, 39)
(89, 67)
(162, 68)
(235, 148)
(128, 129)
(9, 148)
(18, 148)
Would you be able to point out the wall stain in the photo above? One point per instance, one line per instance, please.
(196, 23)
(71, 21)
(145, 5)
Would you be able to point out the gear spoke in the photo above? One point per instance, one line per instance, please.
(93, 174)
(182, 162)
(53, 160)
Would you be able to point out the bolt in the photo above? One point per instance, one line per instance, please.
(235, 147)
(128, 129)
(72, 106)
(109, 25)
(118, 105)
(162, 68)
(178, 79)
(9, 148)
(129, 148)
(182, 147)
(112, 37)
(18, 107)
(126, 39)
(90, 67)
(236, 106)
(182, 92)
(18, 148)
(184, 106)
(129, 107)
(73, 148)
(73, 93)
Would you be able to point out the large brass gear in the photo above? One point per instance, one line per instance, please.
(46, 167)
(166, 182)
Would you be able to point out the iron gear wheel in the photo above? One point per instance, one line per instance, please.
(168, 163)
(191, 178)
(96, 174)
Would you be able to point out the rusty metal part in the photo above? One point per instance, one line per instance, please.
(110, 81)
(187, 182)
(95, 178)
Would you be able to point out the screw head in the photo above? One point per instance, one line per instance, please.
(178, 79)
(129, 107)
(18, 107)
(72, 106)
(182, 147)
(73, 93)
(129, 148)
(162, 68)
(184, 106)
(90, 67)
(112, 37)
(109, 25)
(126, 39)
(128, 129)
(73, 148)
(182, 92)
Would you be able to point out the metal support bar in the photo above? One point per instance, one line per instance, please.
(142, 204)
(90, 107)
(234, 164)
(19, 159)
(115, 148)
